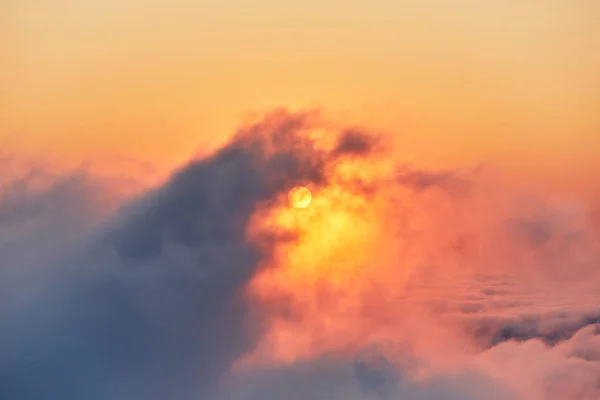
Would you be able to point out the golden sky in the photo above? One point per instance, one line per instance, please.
(513, 82)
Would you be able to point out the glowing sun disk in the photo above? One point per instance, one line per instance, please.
(300, 197)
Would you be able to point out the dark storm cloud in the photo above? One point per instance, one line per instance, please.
(153, 307)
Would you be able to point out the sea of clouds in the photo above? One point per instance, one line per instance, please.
(106, 295)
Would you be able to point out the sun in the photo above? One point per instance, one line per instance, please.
(300, 197)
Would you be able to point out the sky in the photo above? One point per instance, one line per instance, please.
(150, 245)
(515, 83)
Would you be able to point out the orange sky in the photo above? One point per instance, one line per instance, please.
(515, 82)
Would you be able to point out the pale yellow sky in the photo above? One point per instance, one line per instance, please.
(517, 82)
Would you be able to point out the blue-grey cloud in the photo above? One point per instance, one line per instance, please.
(152, 304)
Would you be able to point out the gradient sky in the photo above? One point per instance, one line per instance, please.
(515, 82)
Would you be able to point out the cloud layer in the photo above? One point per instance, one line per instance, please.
(151, 303)
(398, 282)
